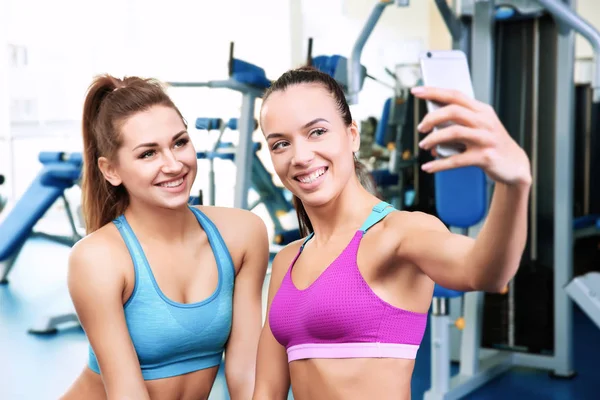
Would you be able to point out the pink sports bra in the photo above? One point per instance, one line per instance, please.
(339, 316)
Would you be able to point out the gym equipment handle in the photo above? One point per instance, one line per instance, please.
(568, 17)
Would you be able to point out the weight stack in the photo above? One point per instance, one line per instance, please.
(525, 93)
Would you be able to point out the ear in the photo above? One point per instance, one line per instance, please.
(355, 135)
(109, 171)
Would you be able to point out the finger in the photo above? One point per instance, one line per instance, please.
(449, 114)
(455, 134)
(447, 96)
(468, 158)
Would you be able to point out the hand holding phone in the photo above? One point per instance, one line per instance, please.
(465, 131)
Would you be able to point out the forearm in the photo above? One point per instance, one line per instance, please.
(241, 386)
(497, 251)
(272, 373)
(267, 391)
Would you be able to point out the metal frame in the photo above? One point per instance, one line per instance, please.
(7, 264)
(243, 156)
(49, 325)
(355, 71)
(472, 376)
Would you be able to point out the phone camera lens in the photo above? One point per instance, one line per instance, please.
(429, 54)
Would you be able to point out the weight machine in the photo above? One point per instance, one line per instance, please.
(261, 181)
(249, 80)
(478, 28)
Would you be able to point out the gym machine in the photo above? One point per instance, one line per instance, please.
(518, 328)
(251, 82)
(273, 197)
(60, 172)
(479, 28)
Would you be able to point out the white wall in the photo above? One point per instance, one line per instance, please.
(187, 41)
(5, 153)
(398, 37)
(590, 11)
(184, 41)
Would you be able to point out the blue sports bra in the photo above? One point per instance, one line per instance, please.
(173, 338)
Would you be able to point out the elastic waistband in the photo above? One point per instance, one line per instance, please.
(352, 350)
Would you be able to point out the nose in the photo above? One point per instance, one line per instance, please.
(171, 165)
(303, 155)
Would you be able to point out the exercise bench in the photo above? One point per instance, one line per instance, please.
(60, 172)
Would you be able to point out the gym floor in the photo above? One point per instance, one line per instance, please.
(42, 367)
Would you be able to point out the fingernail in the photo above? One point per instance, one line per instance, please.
(417, 90)
(420, 127)
(422, 144)
(426, 166)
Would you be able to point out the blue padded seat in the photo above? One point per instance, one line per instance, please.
(202, 155)
(250, 74)
(440, 291)
(587, 221)
(381, 131)
(60, 172)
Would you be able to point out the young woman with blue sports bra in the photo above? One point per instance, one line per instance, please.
(162, 289)
(347, 305)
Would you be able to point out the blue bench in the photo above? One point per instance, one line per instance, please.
(60, 171)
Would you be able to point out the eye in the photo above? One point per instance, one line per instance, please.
(279, 144)
(318, 132)
(181, 142)
(147, 154)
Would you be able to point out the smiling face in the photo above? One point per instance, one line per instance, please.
(311, 146)
(156, 162)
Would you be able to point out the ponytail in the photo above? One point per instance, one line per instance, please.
(108, 103)
(365, 179)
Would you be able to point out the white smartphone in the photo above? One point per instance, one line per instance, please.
(447, 69)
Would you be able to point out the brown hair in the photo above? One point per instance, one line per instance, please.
(309, 74)
(108, 104)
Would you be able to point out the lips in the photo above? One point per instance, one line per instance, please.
(172, 183)
(311, 175)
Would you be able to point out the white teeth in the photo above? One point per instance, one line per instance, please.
(310, 178)
(172, 183)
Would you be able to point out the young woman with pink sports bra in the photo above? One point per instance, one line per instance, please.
(347, 305)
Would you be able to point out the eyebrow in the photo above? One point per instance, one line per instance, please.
(307, 125)
(175, 137)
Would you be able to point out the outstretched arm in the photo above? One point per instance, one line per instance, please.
(455, 261)
(96, 292)
(240, 353)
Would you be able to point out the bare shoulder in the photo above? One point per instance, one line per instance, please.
(100, 257)
(244, 232)
(234, 220)
(410, 221)
(284, 258)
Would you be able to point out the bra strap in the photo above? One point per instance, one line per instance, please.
(379, 212)
(307, 239)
